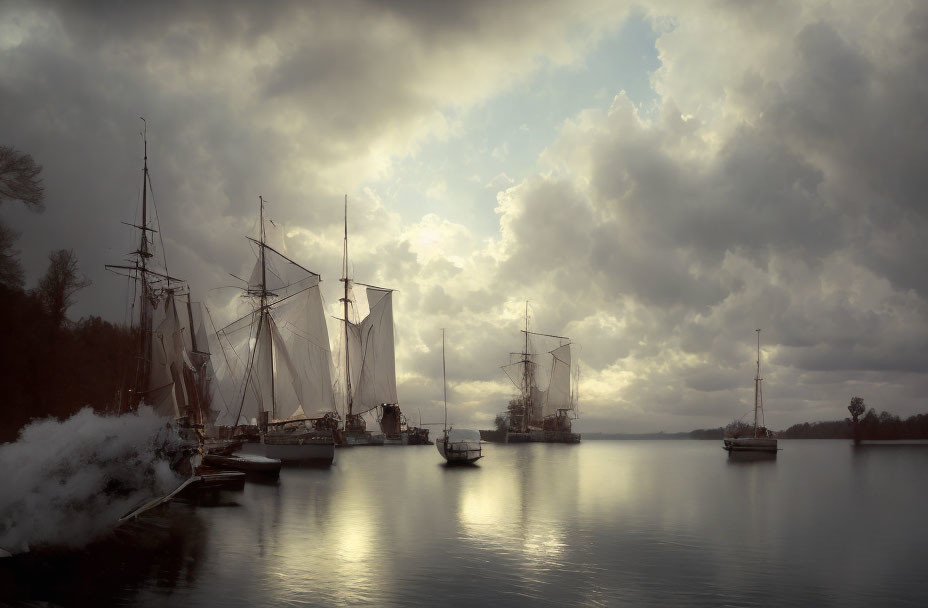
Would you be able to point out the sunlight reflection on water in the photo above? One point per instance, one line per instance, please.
(648, 523)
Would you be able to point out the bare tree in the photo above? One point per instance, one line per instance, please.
(20, 178)
(856, 408)
(11, 273)
(739, 428)
(61, 282)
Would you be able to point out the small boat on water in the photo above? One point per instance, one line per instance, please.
(244, 462)
(460, 446)
(456, 446)
(760, 442)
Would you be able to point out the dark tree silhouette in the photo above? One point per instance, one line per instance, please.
(11, 272)
(739, 428)
(20, 178)
(501, 422)
(856, 408)
(61, 282)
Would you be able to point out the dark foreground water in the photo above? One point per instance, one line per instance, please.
(605, 523)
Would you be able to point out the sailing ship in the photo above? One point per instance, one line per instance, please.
(540, 415)
(456, 446)
(761, 441)
(368, 367)
(169, 369)
(284, 346)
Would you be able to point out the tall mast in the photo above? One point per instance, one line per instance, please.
(444, 382)
(526, 381)
(145, 319)
(265, 313)
(757, 379)
(345, 301)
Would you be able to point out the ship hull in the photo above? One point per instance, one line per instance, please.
(747, 445)
(294, 451)
(459, 452)
(246, 463)
(543, 437)
(351, 439)
(401, 439)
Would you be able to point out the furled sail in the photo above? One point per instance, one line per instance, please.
(198, 367)
(377, 381)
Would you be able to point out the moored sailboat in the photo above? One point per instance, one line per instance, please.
(368, 367)
(456, 446)
(761, 441)
(541, 415)
(287, 376)
(166, 370)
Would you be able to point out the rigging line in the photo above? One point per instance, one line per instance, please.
(534, 333)
(299, 334)
(248, 375)
(269, 306)
(224, 356)
(266, 246)
(387, 289)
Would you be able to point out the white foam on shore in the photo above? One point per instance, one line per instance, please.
(66, 483)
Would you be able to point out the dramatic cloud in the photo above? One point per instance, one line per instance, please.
(773, 179)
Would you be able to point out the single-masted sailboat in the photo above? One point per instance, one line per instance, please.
(457, 446)
(761, 441)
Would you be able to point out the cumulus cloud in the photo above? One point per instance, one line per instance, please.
(777, 182)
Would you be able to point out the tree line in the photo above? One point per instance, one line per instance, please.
(49, 365)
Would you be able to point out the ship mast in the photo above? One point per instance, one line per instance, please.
(265, 312)
(758, 393)
(145, 319)
(527, 405)
(444, 381)
(345, 301)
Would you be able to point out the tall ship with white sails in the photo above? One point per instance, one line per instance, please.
(367, 367)
(281, 348)
(540, 414)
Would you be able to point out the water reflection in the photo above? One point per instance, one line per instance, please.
(159, 553)
(649, 523)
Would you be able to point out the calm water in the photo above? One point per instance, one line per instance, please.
(605, 523)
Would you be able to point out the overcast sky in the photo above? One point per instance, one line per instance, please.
(658, 181)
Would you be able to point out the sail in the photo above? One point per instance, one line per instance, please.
(288, 381)
(305, 349)
(261, 375)
(278, 274)
(198, 367)
(236, 387)
(354, 356)
(159, 392)
(558, 393)
(377, 382)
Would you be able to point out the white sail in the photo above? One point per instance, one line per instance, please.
(301, 322)
(288, 381)
(558, 393)
(261, 375)
(235, 383)
(377, 382)
(160, 393)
